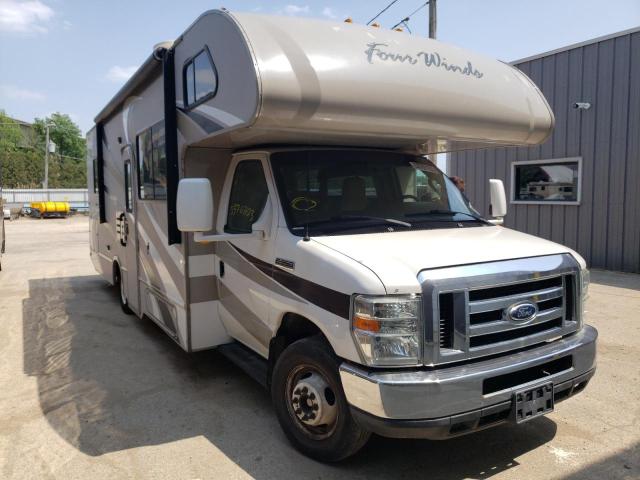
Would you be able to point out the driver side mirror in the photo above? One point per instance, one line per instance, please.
(194, 206)
(498, 205)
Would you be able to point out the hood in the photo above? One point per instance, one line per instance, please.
(397, 257)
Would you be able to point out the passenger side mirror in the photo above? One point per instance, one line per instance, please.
(498, 206)
(195, 205)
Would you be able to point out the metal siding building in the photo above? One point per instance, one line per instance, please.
(605, 226)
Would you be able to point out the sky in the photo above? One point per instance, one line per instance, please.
(72, 56)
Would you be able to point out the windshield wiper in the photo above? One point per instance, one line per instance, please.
(449, 212)
(369, 217)
(340, 218)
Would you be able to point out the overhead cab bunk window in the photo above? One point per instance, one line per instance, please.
(200, 78)
(152, 163)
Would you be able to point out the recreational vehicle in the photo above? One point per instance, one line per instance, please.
(263, 185)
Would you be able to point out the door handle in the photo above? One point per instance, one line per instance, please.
(221, 269)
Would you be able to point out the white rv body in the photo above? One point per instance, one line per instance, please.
(243, 93)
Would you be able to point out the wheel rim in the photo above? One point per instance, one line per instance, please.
(311, 402)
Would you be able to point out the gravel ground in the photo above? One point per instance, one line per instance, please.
(87, 392)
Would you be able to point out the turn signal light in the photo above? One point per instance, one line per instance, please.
(367, 324)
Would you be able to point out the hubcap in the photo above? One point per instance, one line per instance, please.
(313, 401)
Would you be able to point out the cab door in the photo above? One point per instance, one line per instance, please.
(244, 264)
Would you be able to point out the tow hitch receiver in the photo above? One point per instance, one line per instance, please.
(532, 402)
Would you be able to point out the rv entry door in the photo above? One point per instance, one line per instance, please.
(126, 234)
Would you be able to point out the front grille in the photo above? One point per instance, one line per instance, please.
(488, 317)
(470, 306)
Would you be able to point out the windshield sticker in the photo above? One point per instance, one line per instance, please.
(242, 210)
(303, 204)
(428, 59)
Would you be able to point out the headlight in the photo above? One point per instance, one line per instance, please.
(387, 329)
(586, 280)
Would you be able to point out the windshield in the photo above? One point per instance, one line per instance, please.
(337, 192)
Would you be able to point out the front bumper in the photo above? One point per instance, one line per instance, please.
(450, 401)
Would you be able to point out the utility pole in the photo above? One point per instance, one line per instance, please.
(433, 18)
(45, 184)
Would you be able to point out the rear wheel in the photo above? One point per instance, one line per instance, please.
(310, 403)
(119, 284)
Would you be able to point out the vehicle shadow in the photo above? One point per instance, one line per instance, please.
(109, 382)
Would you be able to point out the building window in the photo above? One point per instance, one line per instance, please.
(152, 163)
(200, 78)
(248, 197)
(554, 181)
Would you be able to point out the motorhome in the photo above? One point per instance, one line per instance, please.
(265, 185)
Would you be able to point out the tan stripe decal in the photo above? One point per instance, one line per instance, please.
(249, 320)
(203, 289)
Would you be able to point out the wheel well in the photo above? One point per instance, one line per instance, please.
(293, 327)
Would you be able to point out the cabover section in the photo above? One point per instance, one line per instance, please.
(323, 82)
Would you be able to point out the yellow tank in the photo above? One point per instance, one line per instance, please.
(51, 209)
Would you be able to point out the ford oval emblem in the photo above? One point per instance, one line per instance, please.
(523, 312)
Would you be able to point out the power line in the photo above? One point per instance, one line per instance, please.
(27, 147)
(408, 17)
(382, 11)
(418, 9)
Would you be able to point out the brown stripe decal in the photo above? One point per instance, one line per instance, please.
(323, 297)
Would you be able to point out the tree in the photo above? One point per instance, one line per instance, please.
(10, 133)
(22, 160)
(64, 133)
(67, 167)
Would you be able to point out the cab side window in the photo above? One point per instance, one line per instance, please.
(247, 198)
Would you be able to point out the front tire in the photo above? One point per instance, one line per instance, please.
(310, 403)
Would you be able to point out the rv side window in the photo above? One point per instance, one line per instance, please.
(159, 161)
(152, 163)
(248, 196)
(200, 78)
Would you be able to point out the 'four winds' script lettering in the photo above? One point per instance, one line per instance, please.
(430, 59)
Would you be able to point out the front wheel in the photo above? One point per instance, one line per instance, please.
(310, 403)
